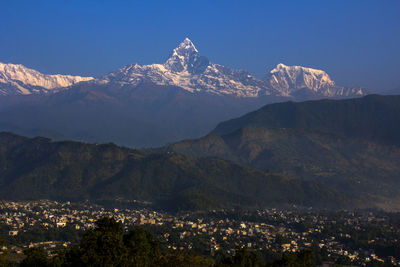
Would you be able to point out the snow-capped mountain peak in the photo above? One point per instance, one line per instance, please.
(188, 69)
(295, 72)
(16, 79)
(186, 58)
(289, 80)
(186, 45)
(298, 77)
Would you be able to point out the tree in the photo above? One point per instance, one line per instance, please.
(3, 261)
(306, 258)
(35, 257)
(109, 225)
(286, 261)
(101, 246)
(244, 257)
(143, 249)
(106, 245)
(177, 259)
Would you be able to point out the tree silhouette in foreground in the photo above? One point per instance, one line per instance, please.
(107, 245)
(3, 261)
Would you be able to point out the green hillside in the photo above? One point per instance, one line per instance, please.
(38, 168)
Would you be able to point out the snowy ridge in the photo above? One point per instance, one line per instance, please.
(16, 79)
(193, 72)
(188, 69)
(290, 79)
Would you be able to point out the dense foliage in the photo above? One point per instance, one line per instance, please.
(107, 245)
(2, 252)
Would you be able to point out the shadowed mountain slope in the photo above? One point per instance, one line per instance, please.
(372, 117)
(355, 166)
(38, 168)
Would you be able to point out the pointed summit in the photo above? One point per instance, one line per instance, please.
(186, 45)
(186, 58)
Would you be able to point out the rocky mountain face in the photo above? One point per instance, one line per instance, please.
(20, 80)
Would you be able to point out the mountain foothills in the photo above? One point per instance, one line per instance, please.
(348, 165)
(372, 117)
(38, 168)
(149, 105)
(351, 145)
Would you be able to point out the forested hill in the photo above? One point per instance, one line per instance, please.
(39, 168)
(373, 117)
(352, 165)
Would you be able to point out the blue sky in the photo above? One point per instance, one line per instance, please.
(356, 41)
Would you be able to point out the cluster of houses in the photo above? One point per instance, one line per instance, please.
(270, 229)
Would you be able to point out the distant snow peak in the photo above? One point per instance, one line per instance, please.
(188, 69)
(289, 80)
(186, 58)
(16, 79)
(298, 70)
(279, 67)
(186, 45)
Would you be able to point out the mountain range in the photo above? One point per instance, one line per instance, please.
(38, 168)
(149, 105)
(320, 153)
(351, 145)
(188, 69)
(20, 80)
